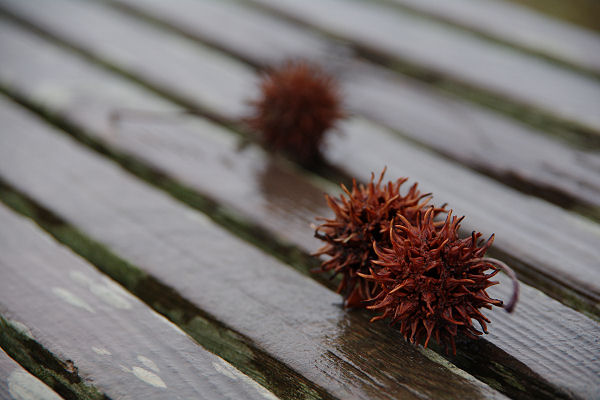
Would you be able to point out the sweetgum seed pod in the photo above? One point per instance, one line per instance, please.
(432, 283)
(363, 216)
(298, 104)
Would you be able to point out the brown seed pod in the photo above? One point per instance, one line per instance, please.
(433, 283)
(299, 102)
(361, 218)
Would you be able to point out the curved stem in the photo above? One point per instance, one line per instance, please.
(510, 306)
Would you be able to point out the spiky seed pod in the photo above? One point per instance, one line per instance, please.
(433, 283)
(362, 217)
(298, 103)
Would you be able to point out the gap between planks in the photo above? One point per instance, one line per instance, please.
(18, 384)
(511, 337)
(99, 127)
(287, 314)
(485, 142)
(73, 326)
(516, 26)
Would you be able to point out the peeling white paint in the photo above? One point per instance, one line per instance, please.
(53, 93)
(80, 277)
(110, 296)
(149, 377)
(101, 351)
(107, 291)
(197, 217)
(223, 367)
(148, 363)
(23, 386)
(72, 299)
(21, 328)
(145, 376)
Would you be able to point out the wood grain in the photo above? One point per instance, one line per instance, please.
(485, 141)
(113, 340)
(151, 231)
(480, 139)
(18, 384)
(286, 314)
(497, 69)
(556, 245)
(89, 24)
(520, 26)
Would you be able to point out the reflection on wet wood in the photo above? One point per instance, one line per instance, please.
(18, 384)
(98, 223)
(294, 337)
(108, 334)
(524, 226)
(284, 313)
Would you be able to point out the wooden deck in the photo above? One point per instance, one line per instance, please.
(167, 257)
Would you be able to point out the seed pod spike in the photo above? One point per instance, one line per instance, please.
(510, 306)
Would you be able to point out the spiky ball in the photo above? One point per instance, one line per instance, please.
(298, 103)
(362, 217)
(431, 282)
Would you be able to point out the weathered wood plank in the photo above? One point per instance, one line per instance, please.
(256, 37)
(508, 151)
(482, 140)
(110, 337)
(18, 384)
(288, 315)
(89, 25)
(228, 160)
(485, 141)
(520, 26)
(497, 69)
(570, 260)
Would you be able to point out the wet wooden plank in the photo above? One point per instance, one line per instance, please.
(133, 43)
(290, 316)
(254, 36)
(520, 26)
(497, 69)
(18, 384)
(109, 336)
(485, 141)
(515, 336)
(554, 245)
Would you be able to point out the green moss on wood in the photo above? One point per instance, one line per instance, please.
(238, 350)
(61, 375)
